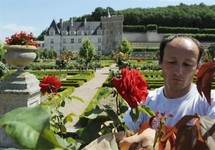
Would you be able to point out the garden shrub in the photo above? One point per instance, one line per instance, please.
(3, 69)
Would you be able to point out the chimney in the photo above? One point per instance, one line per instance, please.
(71, 21)
(109, 14)
(61, 23)
(85, 21)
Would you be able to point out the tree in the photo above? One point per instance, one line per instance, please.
(98, 12)
(41, 36)
(2, 50)
(87, 51)
(211, 49)
(45, 53)
(38, 55)
(125, 47)
(63, 59)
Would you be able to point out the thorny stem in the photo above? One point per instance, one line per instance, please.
(158, 132)
(117, 104)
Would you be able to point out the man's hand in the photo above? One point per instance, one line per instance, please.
(145, 139)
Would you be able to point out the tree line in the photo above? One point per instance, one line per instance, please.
(182, 15)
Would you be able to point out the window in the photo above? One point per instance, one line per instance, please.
(72, 32)
(64, 33)
(64, 40)
(64, 47)
(51, 47)
(52, 41)
(79, 32)
(107, 32)
(99, 32)
(79, 40)
(72, 41)
(51, 32)
(99, 40)
(89, 32)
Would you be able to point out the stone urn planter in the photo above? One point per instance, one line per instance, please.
(20, 56)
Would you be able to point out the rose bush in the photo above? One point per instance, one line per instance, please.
(129, 85)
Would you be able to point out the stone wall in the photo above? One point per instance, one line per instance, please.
(136, 37)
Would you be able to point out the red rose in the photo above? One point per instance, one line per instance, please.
(50, 84)
(132, 87)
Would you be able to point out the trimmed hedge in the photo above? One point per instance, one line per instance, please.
(134, 28)
(76, 83)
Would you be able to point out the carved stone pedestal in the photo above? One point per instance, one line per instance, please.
(21, 89)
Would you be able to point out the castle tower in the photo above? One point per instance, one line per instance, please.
(112, 28)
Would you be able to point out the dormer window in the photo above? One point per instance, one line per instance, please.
(72, 32)
(64, 32)
(89, 32)
(99, 32)
(51, 32)
(80, 32)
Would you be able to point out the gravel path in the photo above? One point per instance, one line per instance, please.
(86, 93)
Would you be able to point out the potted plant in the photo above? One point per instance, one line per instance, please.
(20, 50)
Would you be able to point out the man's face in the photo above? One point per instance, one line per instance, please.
(180, 63)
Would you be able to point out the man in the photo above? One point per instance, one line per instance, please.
(179, 60)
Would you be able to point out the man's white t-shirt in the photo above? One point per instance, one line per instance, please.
(190, 104)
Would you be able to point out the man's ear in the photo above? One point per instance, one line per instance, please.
(198, 66)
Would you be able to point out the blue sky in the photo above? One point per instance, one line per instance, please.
(36, 15)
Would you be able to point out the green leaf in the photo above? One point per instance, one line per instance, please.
(93, 113)
(63, 103)
(147, 110)
(112, 114)
(134, 113)
(63, 129)
(29, 127)
(68, 99)
(106, 91)
(91, 132)
(77, 98)
(68, 118)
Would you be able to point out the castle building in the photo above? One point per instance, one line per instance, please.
(105, 35)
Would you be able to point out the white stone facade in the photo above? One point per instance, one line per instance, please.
(105, 35)
(70, 42)
(68, 35)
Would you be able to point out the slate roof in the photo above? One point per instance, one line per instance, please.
(90, 25)
(54, 25)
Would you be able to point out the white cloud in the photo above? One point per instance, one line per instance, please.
(7, 30)
(16, 28)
